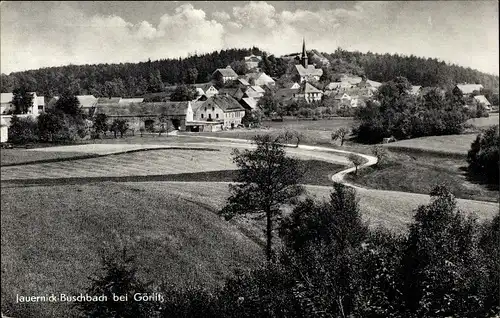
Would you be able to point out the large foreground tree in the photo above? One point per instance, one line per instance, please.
(266, 180)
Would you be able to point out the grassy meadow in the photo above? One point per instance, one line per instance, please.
(451, 145)
(51, 237)
(315, 132)
(420, 172)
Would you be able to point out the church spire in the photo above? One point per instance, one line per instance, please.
(303, 58)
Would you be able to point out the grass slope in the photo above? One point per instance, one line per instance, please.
(51, 235)
(447, 145)
(419, 173)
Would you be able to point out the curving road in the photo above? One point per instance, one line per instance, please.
(385, 207)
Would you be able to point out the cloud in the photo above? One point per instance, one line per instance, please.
(73, 37)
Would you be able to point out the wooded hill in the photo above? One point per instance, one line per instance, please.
(136, 79)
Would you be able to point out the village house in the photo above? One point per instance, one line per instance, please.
(149, 115)
(481, 99)
(252, 61)
(224, 75)
(259, 79)
(88, 103)
(207, 89)
(304, 72)
(373, 84)
(222, 109)
(415, 90)
(309, 93)
(37, 106)
(255, 92)
(249, 103)
(235, 92)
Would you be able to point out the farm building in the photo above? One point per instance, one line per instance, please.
(309, 93)
(87, 102)
(222, 109)
(252, 61)
(481, 99)
(259, 79)
(149, 116)
(207, 89)
(38, 104)
(224, 75)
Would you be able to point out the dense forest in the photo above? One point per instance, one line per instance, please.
(136, 79)
(419, 71)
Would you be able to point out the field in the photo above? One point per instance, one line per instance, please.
(484, 122)
(420, 172)
(89, 148)
(51, 244)
(446, 145)
(315, 132)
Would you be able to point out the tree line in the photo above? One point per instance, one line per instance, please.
(136, 79)
(418, 70)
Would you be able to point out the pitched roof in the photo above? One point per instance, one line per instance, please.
(309, 71)
(243, 81)
(196, 104)
(6, 98)
(130, 100)
(258, 89)
(231, 91)
(253, 58)
(254, 94)
(250, 102)
(204, 86)
(226, 103)
(482, 99)
(144, 109)
(226, 72)
(353, 80)
(469, 88)
(308, 89)
(374, 83)
(415, 89)
(333, 85)
(108, 100)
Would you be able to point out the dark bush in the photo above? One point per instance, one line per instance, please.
(23, 130)
(483, 156)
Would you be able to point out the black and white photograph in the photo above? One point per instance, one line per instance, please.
(230, 159)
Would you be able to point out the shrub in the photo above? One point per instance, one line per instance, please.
(381, 153)
(355, 160)
(23, 130)
(441, 266)
(483, 156)
(118, 276)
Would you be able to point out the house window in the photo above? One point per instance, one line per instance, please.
(201, 116)
(205, 109)
(213, 108)
(217, 116)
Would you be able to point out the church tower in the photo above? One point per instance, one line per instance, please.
(303, 58)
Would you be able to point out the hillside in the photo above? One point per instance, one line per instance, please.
(137, 79)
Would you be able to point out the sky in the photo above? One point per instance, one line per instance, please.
(50, 33)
